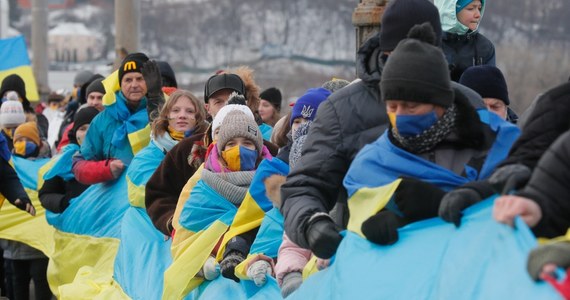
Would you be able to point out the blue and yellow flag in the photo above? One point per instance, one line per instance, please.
(14, 60)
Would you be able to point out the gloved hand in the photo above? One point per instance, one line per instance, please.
(258, 272)
(454, 202)
(229, 263)
(510, 177)
(152, 77)
(26, 205)
(382, 228)
(418, 200)
(291, 282)
(556, 253)
(211, 269)
(117, 166)
(323, 235)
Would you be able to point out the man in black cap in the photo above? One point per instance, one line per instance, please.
(218, 90)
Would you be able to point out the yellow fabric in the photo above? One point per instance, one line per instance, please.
(194, 249)
(139, 139)
(248, 217)
(27, 75)
(175, 134)
(79, 261)
(18, 225)
(310, 268)
(88, 284)
(136, 194)
(564, 238)
(20, 148)
(184, 195)
(392, 118)
(111, 85)
(368, 201)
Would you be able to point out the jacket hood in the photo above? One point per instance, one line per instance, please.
(448, 16)
(368, 64)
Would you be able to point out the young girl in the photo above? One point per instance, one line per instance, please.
(462, 44)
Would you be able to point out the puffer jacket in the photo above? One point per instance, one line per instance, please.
(549, 186)
(545, 121)
(349, 119)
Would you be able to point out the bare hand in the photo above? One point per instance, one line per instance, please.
(506, 208)
(117, 167)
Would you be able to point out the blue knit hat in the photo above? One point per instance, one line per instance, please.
(306, 106)
(462, 3)
(487, 81)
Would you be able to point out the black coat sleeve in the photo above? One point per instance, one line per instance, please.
(549, 186)
(10, 185)
(315, 184)
(52, 195)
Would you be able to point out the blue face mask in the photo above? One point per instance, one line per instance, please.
(412, 125)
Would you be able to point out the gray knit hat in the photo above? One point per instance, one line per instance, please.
(335, 84)
(238, 124)
(417, 70)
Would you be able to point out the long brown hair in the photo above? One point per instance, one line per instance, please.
(160, 124)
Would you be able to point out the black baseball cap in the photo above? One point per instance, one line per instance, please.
(223, 81)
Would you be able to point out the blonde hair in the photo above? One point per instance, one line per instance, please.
(160, 124)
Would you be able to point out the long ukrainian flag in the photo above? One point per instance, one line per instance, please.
(14, 60)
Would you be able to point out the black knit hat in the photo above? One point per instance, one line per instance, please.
(95, 86)
(273, 96)
(401, 15)
(417, 71)
(15, 83)
(82, 117)
(168, 77)
(82, 95)
(220, 82)
(487, 81)
(132, 63)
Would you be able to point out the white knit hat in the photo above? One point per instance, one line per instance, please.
(221, 115)
(12, 114)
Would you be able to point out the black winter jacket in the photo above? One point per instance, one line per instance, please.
(549, 186)
(349, 119)
(466, 50)
(544, 124)
(56, 193)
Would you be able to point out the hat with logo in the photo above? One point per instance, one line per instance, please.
(239, 124)
(132, 63)
(306, 106)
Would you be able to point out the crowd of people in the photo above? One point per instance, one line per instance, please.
(429, 109)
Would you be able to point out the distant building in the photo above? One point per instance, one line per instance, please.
(52, 4)
(73, 42)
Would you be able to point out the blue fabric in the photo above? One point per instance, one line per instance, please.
(29, 148)
(143, 256)
(62, 166)
(265, 169)
(412, 125)
(306, 106)
(223, 288)
(270, 234)
(108, 126)
(28, 169)
(4, 150)
(96, 212)
(131, 121)
(482, 259)
(266, 131)
(382, 162)
(145, 163)
(15, 49)
(205, 206)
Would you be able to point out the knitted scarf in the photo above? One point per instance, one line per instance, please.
(428, 139)
(230, 185)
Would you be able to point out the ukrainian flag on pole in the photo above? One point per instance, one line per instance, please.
(14, 60)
